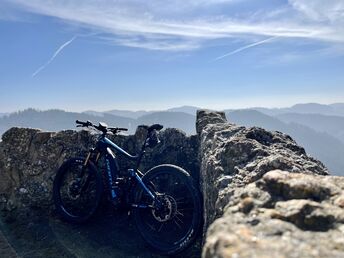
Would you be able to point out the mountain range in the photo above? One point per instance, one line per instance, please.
(336, 109)
(317, 127)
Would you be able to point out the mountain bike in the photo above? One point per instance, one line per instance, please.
(164, 202)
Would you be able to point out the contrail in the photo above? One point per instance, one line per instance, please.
(245, 47)
(54, 56)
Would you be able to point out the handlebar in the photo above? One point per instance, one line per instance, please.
(118, 128)
(105, 129)
(83, 124)
(151, 137)
(101, 127)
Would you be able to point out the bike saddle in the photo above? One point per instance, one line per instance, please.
(153, 127)
(102, 125)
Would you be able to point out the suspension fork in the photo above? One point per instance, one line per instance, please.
(92, 151)
(88, 157)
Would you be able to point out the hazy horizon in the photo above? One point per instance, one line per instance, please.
(167, 108)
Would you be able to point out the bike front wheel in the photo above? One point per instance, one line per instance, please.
(170, 223)
(77, 190)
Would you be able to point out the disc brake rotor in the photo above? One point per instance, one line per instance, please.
(167, 210)
(74, 190)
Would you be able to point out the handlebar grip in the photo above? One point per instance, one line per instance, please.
(87, 123)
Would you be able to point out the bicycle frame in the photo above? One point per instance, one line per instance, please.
(164, 196)
(104, 147)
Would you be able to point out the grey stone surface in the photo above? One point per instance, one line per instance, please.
(281, 215)
(264, 196)
(233, 156)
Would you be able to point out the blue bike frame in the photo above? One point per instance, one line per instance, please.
(111, 165)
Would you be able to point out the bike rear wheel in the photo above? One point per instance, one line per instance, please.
(77, 190)
(173, 225)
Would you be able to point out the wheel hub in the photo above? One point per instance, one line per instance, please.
(74, 189)
(166, 208)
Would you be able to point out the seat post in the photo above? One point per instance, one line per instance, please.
(142, 152)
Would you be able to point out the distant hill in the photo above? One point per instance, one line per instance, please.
(254, 118)
(322, 146)
(94, 113)
(185, 109)
(183, 121)
(191, 110)
(128, 113)
(333, 125)
(55, 120)
(313, 108)
(336, 109)
(339, 107)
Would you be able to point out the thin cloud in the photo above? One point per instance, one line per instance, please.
(244, 48)
(156, 25)
(316, 10)
(53, 56)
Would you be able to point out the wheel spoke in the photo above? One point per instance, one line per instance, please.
(176, 216)
(77, 191)
(175, 222)
(162, 225)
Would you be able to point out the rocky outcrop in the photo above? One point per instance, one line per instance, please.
(29, 159)
(233, 156)
(264, 197)
(281, 215)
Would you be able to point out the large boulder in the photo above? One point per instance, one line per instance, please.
(264, 196)
(281, 215)
(233, 156)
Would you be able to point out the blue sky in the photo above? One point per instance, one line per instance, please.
(131, 54)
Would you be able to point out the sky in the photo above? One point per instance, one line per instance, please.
(152, 55)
